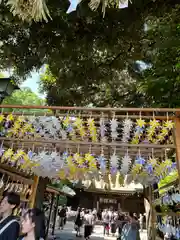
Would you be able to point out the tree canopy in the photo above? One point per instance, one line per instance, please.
(93, 59)
(120, 80)
(25, 96)
(161, 82)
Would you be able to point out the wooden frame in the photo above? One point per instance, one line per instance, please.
(134, 113)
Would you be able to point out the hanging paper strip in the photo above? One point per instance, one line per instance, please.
(153, 130)
(127, 127)
(18, 159)
(102, 130)
(67, 122)
(140, 127)
(92, 129)
(166, 128)
(126, 162)
(102, 163)
(114, 161)
(114, 125)
(79, 125)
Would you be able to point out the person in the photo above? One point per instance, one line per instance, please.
(65, 218)
(135, 216)
(78, 222)
(105, 220)
(9, 225)
(33, 225)
(62, 217)
(99, 214)
(120, 223)
(88, 221)
(130, 230)
(94, 214)
(113, 221)
(141, 221)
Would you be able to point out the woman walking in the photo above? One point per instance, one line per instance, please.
(78, 222)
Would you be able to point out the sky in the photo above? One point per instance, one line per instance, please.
(32, 82)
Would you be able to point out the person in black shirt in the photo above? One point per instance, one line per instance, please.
(9, 226)
(62, 217)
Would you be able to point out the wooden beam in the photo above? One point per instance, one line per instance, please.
(177, 143)
(68, 142)
(111, 192)
(57, 191)
(94, 115)
(173, 110)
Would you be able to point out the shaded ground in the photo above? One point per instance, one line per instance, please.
(69, 234)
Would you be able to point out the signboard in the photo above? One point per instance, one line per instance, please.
(108, 200)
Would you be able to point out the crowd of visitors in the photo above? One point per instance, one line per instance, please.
(32, 222)
(128, 225)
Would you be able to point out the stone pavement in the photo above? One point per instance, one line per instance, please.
(69, 234)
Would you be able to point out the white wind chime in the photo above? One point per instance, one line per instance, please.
(48, 127)
(49, 163)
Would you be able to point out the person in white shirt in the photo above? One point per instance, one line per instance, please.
(94, 214)
(88, 221)
(106, 221)
(141, 221)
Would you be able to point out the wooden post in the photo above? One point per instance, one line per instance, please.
(153, 217)
(40, 192)
(33, 196)
(50, 213)
(177, 142)
(152, 230)
(55, 214)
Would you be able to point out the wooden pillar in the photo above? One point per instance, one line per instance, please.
(152, 215)
(41, 188)
(50, 212)
(177, 142)
(34, 191)
(55, 214)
